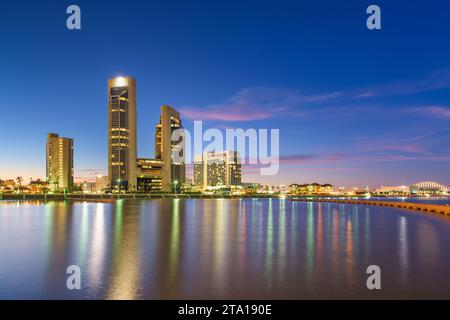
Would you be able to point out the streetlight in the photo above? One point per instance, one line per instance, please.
(175, 183)
(118, 182)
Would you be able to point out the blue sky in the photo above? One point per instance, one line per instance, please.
(354, 106)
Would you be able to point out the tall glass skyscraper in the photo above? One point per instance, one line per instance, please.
(122, 144)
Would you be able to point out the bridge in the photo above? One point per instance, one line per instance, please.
(429, 186)
(425, 207)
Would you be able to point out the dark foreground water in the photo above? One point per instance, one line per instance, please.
(211, 249)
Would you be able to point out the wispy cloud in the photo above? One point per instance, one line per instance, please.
(251, 104)
(434, 81)
(88, 174)
(384, 146)
(435, 111)
(91, 170)
(261, 103)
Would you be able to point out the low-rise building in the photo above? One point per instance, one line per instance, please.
(393, 190)
(251, 187)
(149, 179)
(88, 187)
(102, 184)
(310, 188)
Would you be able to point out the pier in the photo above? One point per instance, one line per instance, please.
(425, 207)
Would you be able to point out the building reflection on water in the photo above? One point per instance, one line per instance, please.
(243, 248)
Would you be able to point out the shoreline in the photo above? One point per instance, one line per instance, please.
(114, 197)
(150, 196)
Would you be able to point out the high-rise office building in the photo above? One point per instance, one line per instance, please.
(216, 169)
(173, 169)
(59, 169)
(122, 131)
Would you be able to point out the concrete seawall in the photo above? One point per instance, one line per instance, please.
(113, 197)
(425, 207)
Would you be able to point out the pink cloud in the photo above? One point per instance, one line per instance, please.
(251, 104)
(261, 103)
(411, 148)
(434, 81)
(234, 115)
(436, 111)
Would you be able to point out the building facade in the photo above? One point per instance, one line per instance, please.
(59, 168)
(311, 188)
(393, 190)
(173, 168)
(149, 178)
(102, 184)
(122, 132)
(216, 169)
(198, 171)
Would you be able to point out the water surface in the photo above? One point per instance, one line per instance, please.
(213, 249)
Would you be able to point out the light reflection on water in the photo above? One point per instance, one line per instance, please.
(211, 249)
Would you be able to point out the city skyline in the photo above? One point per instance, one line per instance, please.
(192, 154)
(167, 111)
(343, 118)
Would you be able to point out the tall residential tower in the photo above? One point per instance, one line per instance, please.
(59, 163)
(122, 144)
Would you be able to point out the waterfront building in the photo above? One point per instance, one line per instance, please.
(88, 187)
(294, 188)
(393, 190)
(251, 187)
(59, 168)
(216, 169)
(172, 170)
(187, 187)
(122, 132)
(7, 186)
(311, 188)
(198, 171)
(102, 184)
(149, 176)
(326, 188)
(38, 186)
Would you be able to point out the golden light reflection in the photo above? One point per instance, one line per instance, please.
(174, 245)
(125, 262)
(97, 246)
(220, 238)
(242, 234)
(310, 247)
(84, 233)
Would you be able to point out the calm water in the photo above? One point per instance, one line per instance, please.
(433, 200)
(213, 249)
